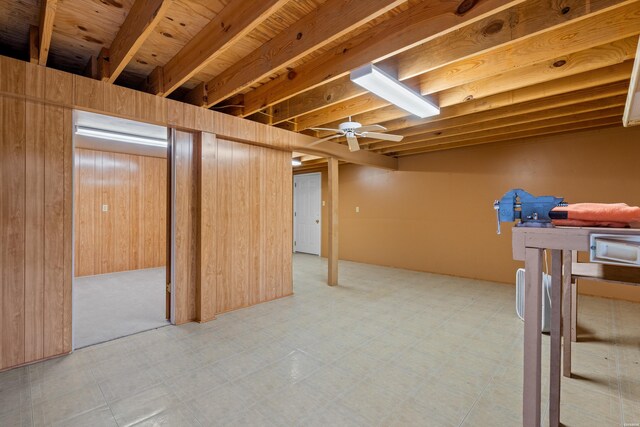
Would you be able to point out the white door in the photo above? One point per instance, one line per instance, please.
(307, 207)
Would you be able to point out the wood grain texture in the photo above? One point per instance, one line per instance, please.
(131, 234)
(185, 227)
(207, 247)
(332, 278)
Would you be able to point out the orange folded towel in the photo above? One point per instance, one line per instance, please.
(596, 215)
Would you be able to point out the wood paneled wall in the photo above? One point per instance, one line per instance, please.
(36, 169)
(35, 216)
(235, 224)
(131, 234)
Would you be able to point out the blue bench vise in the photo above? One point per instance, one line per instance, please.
(532, 211)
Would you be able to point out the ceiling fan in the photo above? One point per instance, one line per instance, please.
(353, 130)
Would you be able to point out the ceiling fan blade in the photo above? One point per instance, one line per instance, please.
(318, 141)
(353, 143)
(371, 128)
(326, 129)
(385, 136)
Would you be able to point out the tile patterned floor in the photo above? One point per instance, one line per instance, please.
(388, 347)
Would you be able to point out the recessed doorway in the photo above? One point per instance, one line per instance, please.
(120, 228)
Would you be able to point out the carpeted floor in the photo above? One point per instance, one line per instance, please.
(110, 306)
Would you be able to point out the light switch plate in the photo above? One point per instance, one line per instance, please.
(357, 209)
(105, 208)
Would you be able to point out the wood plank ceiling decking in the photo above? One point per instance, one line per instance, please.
(499, 69)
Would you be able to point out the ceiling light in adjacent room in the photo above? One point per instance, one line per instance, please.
(380, 83)
(122, 137)
(296, 162)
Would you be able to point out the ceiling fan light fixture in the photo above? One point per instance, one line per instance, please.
(380, 83)
(296, 162)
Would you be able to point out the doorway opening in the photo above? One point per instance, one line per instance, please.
(120, 232)
(307, 213)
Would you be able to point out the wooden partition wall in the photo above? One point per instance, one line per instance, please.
(130, 233)
(36, 173)
(233, 230)
(36, 167)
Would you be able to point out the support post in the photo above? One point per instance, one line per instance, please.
(333, 222)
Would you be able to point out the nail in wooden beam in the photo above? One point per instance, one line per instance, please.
(104, 68)
(34, 44)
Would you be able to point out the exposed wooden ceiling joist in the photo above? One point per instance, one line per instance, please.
(45, 30)
(508, 117)
(402, 32)
(591, 124)
(234, 22)
(138, 25)
(476, 131)
(497, 30)
(589, 85)
(330, 21)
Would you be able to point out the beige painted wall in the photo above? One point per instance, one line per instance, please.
(435, 214)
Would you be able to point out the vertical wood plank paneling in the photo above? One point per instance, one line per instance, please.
(135, 191)
(224, 236)
(185, 275)
(240, 221)
(54, 250)
(107, 221)
(272, 256)
(136, 249)
(67, 338)
(13, 152)
(120, 213)
(256, 228)
(287, 223)
(34, 221)
(206, 281)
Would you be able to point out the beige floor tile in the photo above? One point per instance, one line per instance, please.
(143, 405)
(101, 417)
(335, 415)
(177, 415)
(369, 401)
(410, 413)
(293, 403)
(196, 381)
(16, 416)
(68, 406)
(128, 384)
(249, 418)
(220, 405)
(332, 380)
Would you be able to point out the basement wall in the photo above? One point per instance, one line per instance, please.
(435, 214)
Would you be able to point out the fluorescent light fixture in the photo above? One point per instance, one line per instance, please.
(122, 137)
(380, 83)
(631, 115)
(296, 162)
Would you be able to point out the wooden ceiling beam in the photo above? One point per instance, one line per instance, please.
(506, 26)
(550, 69)
(474, 122)
(136, 28)
(594, 84)
(45, 30)
(613, 24)
(330, 21)
(235, 21)
(481, 130)
(420, 23)
(592, 124)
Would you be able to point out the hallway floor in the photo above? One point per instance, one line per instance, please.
(387, 347)
(109, 306)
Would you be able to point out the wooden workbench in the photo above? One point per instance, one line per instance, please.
(528, 246)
